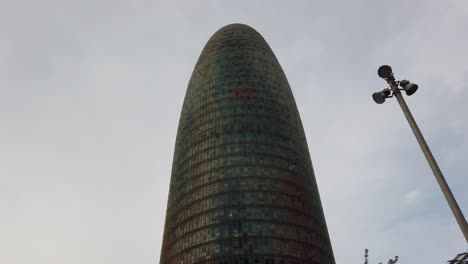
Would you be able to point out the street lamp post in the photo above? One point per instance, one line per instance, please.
(386, 73)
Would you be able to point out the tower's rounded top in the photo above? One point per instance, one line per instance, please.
(235, 27)
(236, 34)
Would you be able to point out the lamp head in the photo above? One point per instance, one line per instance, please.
(385, 71)
(410, 88)
(379, 97)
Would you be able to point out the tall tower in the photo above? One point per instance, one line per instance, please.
(242, 187)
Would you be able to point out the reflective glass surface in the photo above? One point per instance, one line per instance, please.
(242, 187)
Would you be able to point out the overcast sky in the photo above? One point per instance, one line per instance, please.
(91, 93)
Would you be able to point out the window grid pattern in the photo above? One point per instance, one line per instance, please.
(242, 188)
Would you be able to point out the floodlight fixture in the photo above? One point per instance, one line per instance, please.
(385, 71)
(379, 97)
(410, 88)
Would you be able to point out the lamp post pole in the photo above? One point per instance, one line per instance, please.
(434, 167)
(425, 148)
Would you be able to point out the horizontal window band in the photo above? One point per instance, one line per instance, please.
(170, 214)
(234, 178)
(271, 238)
(169, 243)
(265, 166)
(171, 227)
(236, 143)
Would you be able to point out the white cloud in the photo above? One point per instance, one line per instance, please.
(412, 197)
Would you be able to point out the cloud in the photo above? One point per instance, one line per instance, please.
(412, 197)
(91, 93)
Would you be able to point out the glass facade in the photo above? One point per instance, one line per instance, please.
(242, 186)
